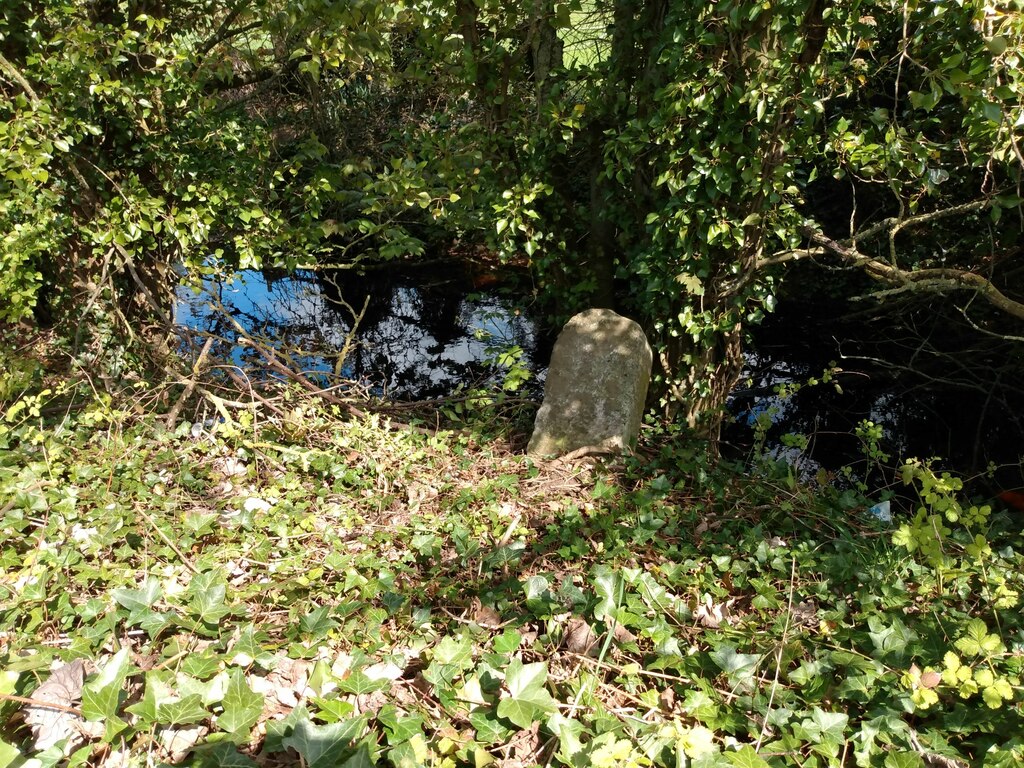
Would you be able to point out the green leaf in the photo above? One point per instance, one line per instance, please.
(826, 726)
(399, 728)
(363, 758)
(101, 696)
(138, 599)
(242, 705)
(746, 757)
(207, 591)
(359, 683)
(489, 729)
(186, 710)
(507, 642)
(740, 667)
(529, 700)
(890, 640)
(200, 666)
(147, 709)
(323, 746)
(610, 588)
(10, 757)
(976, 641)
(903, 760)
(410, 754)
(568, 732)
(247, 649)
(333, 710)
(223, 754)
(316, 624)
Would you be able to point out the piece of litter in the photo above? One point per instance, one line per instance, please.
(883, 511)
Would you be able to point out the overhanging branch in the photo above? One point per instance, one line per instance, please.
(938, 280)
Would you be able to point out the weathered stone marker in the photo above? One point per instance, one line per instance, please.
(596, 387)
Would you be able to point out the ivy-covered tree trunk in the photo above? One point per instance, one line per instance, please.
(718, 91)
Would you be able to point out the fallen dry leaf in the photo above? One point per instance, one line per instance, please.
(711, 614)
(485, 615)
(623, 635)
(178, 742)
(116, 758)
(371, 702)
(580, 637)
(524, 747)
(667, 699)
(805, 613)
(49, 725)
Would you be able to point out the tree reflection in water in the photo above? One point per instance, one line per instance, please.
(421, 333)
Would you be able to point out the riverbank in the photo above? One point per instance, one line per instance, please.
(291, 578)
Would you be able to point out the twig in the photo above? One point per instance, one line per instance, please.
(246, 386)
(190, 386)
(41, 704)
(166, 539)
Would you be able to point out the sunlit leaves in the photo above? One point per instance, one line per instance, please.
(976, 640)
(242, 706)
(740, 667)
(528, 698)
(103, 696)
(321, 746)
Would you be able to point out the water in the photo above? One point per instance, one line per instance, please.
(932, 389)
(421, 333)
(425, 332)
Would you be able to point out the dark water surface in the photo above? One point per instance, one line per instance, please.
(421, 333)
(934, 388)
(427, 331)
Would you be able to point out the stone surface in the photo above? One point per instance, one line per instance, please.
(596, 387)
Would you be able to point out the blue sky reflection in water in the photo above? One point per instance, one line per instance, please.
(422, 335)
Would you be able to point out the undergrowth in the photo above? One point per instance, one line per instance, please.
(293, 584)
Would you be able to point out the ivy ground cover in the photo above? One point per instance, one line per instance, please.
(293, 587)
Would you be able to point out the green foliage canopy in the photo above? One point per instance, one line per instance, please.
(660, 157)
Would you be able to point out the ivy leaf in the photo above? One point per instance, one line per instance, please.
(529, 698)
(220, 755)
(242, 705)
(826, 727)
(507, 642)
(399, 728)
(321, 746)
(317, 623)
(247, 649)
(740, 667)
(568, 732)
(538, 596)
(610, 587)
(10, 756)
(207, 591)
(363, 758)
(489, 729)
(890, 640)
(332, 710)
(746, 757)
(138, 600)
(101, 697)
(186, 710)
(456, 651)
(147, 710)
(358, 682)
(903, 760)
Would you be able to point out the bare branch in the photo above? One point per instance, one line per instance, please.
(895, 224)
(938, 280)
